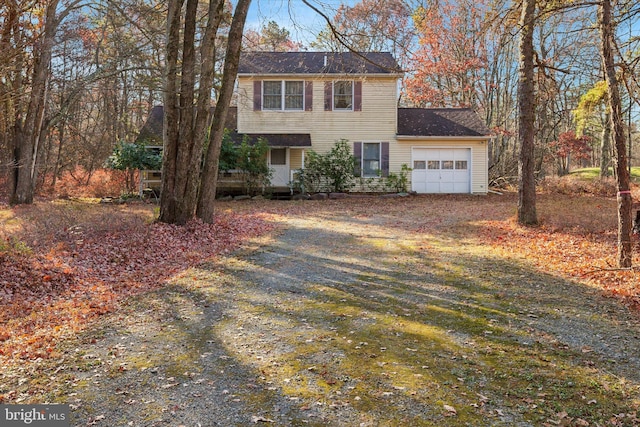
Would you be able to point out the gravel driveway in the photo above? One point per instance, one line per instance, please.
(349, 319)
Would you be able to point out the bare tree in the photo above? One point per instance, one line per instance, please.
(29, 125)
(625, 223)
(187, 110)
(209, 181)
(526, 118)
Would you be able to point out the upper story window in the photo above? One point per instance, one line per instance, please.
(343, 95)
(283, 95)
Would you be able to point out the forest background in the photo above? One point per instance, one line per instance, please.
(105, 73)
(554, 80)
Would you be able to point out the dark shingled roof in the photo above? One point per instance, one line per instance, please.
(440, 122)
(314, 63)
(275, 139)
(151, 132)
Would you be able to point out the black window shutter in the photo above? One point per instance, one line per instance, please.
(384, 160)
(357, 96)
(308, 96)
(328, 96)
(257, 95)
(357, 154)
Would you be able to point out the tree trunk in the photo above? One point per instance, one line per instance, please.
(208, 184)
(27, 142)
(617, 129)
(605, 146)
(526, 118)
(186, 119)
(177, 205)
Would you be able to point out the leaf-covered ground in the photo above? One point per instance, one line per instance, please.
(434, 310)
(66, 262)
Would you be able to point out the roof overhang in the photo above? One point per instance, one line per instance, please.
(319, 75)
(441, 138)
(280, 140)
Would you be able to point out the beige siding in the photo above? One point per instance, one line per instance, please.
(295, 158)
(376, 121)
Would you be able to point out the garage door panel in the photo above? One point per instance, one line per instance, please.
(441, 170)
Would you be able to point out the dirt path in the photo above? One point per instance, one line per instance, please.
(348, 319)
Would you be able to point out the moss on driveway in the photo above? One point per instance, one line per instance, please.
(354, 318)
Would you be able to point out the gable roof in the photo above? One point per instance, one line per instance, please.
(151, 132)
(440, 122)
(318, 63)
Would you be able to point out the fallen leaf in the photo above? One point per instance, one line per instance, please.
(450, 409)
(256, 419)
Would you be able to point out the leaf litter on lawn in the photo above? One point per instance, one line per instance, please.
(359, 316)
(71, 261)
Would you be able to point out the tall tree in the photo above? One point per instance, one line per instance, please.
(526, 118)
(184, 124)
(370, 25)
(271, 38)
(625, 224)
(187, 106)
(590, 104)
(28, 127)
(209, 182)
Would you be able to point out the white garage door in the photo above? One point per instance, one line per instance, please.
(441, 170)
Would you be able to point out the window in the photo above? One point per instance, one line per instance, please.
(461, 164)
(447, 164)
(293, 95)
(278, 156)
(371, 159)
(419, 164)
(283, 95)
(272, 96)
(343, 95)
(433, 164)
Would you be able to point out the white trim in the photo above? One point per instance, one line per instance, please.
(322, 75)
(333, 95)
(441, 138)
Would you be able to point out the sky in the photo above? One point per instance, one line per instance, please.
(302, 22)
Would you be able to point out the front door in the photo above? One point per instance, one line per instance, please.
(279, 165)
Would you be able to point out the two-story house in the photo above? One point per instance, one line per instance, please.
(318, 98)
(302, 101)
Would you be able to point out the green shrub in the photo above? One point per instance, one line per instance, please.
(228, 153)
(332, 171)
(129, 157)
(252, 164)
(399, 182)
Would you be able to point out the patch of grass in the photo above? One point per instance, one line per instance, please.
(13, 245)
(594, 173)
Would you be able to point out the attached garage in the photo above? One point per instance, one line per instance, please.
(449, 149)
(441, 170)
